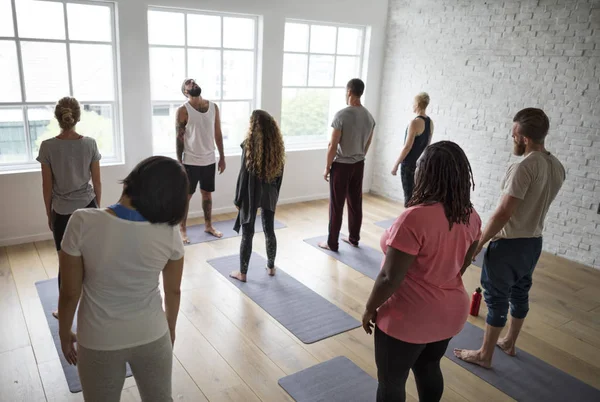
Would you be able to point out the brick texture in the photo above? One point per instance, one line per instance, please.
(481, 62)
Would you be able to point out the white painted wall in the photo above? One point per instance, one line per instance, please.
(22, 215)
(481, 62)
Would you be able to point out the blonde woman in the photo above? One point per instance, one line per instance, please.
(258, 185)
(416, 139)
(69, 161)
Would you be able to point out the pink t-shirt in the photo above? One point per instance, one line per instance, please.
(431, 304)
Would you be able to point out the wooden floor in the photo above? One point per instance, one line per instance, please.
(229, 349)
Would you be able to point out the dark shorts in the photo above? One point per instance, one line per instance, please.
(205, 175)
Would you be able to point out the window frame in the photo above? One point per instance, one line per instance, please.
(233, 149)
(31, 164)
(310, 141)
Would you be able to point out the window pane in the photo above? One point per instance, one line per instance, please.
(238, 74)
(10, 83)
(45, 71)
(346, 68)
(320, 71)
(6, 18)
(307, 112)
(92, 72)
(349, 41)
(322, 39)
(13, 147)
(235, 118)
(163, 128)
(238, 33)
(295, 68)
(296, 37)
(205, 67)
(40, 19)
(165, 28)
(87, 22)
(204, 30)
(167, 72)
(42, 125)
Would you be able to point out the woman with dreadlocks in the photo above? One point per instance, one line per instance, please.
(259, 181)
(418, 302)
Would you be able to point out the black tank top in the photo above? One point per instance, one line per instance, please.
(419, 144)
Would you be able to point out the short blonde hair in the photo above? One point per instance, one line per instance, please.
(422, 99)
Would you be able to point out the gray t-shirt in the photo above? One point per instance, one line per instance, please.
(356, 124)
(70, 161)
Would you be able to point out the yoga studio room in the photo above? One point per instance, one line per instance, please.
(310, 201)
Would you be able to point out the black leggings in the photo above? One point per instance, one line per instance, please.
(396, 358)
(407, 175)
(268, 222)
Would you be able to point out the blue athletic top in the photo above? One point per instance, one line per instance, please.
(420, 143)
(127, 214)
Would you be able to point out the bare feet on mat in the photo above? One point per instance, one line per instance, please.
(184, 236)
(270, 271)
(324, 246)
(507, 347)
(55, 314)
(472, 356)
(238, 275)
(347, 240)
(211, 230)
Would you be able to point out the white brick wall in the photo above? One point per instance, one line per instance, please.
(481, 62)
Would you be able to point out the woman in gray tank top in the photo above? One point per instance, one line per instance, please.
(66, 186)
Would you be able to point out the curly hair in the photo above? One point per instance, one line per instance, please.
(444, 175)
(265, 151)
(67, 112)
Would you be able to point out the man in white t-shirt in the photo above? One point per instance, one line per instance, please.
(515, 231)
(198, 129)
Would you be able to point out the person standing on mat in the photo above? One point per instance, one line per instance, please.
(198, 129)
(515, 231)
(69, 161)
(419, 302)
(350, 140)
(112, 259)
(258, 185)
(416, 138)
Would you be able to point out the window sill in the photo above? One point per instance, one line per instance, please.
(20, 169)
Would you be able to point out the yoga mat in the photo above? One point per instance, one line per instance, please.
(196, 233)
(363, 259)
(386, 224)
(336, 380)
(523, 377)
(48, 292)
(303, 312)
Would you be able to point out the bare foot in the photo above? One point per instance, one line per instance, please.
(347, 240)
(472, 356)
(325, 246)
(270, 271)
(55, 314)
(184, 236)
(507, 347)
(211, 230)
(238, 275)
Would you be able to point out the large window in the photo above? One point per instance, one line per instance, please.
(219, 52)
(318, 62)
(48, 50)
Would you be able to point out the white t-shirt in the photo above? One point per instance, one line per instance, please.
(199, 139)
(121, 305)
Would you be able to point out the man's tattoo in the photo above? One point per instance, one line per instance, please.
(207, 208)
(180, 134)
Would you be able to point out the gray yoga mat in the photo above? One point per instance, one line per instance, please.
(303, 312)
(386, 224)
(48, 292)
(523, 377)
(336, 380)
(363, 259)
(196, 233)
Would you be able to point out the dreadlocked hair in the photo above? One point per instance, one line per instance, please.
(265, 152)
(444, 175)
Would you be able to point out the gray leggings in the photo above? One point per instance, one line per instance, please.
(102, 372)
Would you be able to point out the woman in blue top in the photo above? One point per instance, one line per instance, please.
(416, 139)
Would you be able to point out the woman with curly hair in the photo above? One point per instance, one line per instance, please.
(259, 181)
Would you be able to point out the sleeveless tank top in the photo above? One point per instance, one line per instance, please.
(420, 143)
(199, 141)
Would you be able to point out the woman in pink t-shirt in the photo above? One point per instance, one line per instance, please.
(419, 302)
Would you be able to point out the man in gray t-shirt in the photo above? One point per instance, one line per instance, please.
(350, 140)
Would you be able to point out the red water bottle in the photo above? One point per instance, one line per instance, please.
(475, 302)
